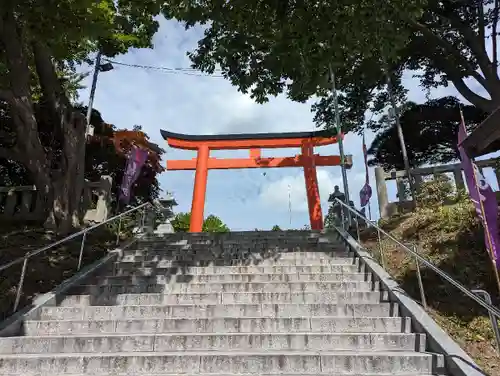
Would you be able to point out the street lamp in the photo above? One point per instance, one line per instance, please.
(98, 67)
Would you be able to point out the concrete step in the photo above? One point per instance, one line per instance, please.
(221, 325)
(282, 254)
(236, 262)
(240, 374)
(239, 241)
(122, 312)
(106, 296)
(206, 288)
(213, 341)
(149, 276)
(167, 267)
(339, 362)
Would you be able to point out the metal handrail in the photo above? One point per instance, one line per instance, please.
(24, 259)
(491, 309)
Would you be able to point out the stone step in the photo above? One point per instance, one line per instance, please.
(221, 325)
(239, 240)
(148, 275)
(347, 260)
(339, 362)
(167, 267)
(206, 288)
(82, 311)
(282, 254)
(213, 341)
(105, 296)
(240, 374)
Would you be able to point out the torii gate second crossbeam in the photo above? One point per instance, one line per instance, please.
(254, 143)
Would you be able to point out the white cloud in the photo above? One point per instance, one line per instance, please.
(192, 104)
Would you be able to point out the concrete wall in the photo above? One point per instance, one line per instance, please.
(21, 204)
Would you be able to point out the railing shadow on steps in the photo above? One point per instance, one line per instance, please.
(481, 297)
(58, 265)
(183, 251)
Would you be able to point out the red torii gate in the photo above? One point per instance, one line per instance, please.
(254, 142)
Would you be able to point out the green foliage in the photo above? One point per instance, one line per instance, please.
(330, 218)
(441, 205)
(268, 48)
(276, 228)
(180, 223)
(212, 223)
(430, 131)
(101, 158)
(436, 192)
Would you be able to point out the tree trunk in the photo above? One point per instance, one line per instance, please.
(59, 183)
(65, 211)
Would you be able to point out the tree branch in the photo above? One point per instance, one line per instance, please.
(477, 100)
(475, 44)
(449, 48)
(49, 82)
(456, 77)
(16, 61)
(494, 35)
(481, 24)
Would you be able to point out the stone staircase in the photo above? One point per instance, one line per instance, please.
(242, 303)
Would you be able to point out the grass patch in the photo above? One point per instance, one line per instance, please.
(447, 232)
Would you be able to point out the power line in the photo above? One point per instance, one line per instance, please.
(185, 71)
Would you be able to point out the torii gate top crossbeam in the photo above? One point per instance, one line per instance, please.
(248, 140)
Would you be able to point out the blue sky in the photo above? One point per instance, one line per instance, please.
(193, 104)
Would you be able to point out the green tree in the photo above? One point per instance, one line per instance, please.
(276, 228)
(181, 221)
(40, 44)
(104, 155)
(212, 223)
(430, 131)
(330, 217)
(266, 48)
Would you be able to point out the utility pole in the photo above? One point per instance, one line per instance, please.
(97, 64)
(340, 142)
(98, 67)
(402, 142)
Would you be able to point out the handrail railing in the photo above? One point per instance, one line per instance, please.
(492, 310)
(24, 259)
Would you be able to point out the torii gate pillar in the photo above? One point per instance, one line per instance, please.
(312, 189)
(200, 190)
(253, 142)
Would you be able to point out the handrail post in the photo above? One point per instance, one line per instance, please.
(80, 257)
(420, 282)
(494, 322)
(20, 285)
(118, 232)
(381, 249)
(357, 230)
(490, 308)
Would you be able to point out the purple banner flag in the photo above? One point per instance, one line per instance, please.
(136, 159)
(482, 196)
